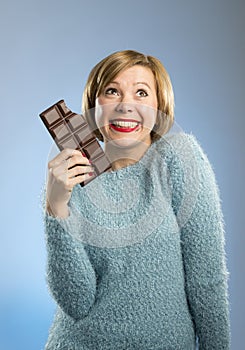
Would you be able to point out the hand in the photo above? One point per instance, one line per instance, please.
(66, 170)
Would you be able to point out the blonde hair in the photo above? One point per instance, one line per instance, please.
(107, 69)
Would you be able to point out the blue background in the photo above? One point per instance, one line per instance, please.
(47, 51)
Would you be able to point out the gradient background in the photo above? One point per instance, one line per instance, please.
(47, 51)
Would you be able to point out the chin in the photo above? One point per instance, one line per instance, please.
(124, 142)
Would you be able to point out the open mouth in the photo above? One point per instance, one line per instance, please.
(124, 125)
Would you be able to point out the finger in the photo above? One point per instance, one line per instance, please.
(77, 159)
(59, 170)
(62, 156)
(80, 170)
(81, 163)
(69, 183)
(62, 174)
(78, 179)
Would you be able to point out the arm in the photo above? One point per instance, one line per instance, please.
(202, 239)
(70, 275)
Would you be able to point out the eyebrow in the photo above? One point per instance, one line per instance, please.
(138, 82)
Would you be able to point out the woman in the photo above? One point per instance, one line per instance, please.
(136, 257)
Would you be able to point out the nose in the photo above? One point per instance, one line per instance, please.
(125, 104)
(124, 107)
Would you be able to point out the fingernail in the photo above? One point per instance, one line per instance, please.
(91, 174)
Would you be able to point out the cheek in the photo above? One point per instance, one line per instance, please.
(148, 115)
(154, 103)
(102, 112)
(98, 113)
(150, 121)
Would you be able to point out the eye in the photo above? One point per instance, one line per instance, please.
(111, 91)
(141, 93)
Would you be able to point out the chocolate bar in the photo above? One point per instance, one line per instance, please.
(70, 130)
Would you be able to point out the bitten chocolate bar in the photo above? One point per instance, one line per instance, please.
(70, 130)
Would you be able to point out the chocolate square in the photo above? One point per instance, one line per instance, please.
(59, 131)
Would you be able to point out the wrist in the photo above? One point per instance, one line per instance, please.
(57, 210)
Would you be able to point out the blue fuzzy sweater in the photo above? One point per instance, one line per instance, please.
(140, 262)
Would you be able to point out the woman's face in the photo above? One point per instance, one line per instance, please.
(126, 109)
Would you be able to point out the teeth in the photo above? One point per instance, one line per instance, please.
(125, 124)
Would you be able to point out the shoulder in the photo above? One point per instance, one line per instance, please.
(190, 175)
(182, 149)
(175, 142)
(187, 162)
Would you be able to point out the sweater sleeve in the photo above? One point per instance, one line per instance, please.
(70, 275)
(198, 211)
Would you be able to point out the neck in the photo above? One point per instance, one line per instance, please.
(121, 156)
